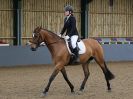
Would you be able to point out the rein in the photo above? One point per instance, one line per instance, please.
(48, 44)
(51, 43)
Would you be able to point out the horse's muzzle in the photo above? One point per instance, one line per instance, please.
(33, 49)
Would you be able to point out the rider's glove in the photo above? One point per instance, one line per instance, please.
(60, 35)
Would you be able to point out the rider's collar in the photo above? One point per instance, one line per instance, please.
(68, 16)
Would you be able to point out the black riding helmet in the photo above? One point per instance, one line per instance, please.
(69, 8)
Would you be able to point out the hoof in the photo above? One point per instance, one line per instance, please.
(73, 92)
(43, 95)
(79, 92)
(81, 89)
(109, 89)
(72, 89)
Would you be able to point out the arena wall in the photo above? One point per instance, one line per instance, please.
(46, 13)
(107, 20)
(22, 55)
(6, 21)
(104, 20)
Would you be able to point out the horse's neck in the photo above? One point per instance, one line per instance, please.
(55, 48)
(52, 42)
(50, 37)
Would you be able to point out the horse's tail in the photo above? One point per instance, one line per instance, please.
(108, 73)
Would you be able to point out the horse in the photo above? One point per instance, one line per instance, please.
(61, 56)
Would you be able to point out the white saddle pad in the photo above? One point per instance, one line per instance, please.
(81, 45)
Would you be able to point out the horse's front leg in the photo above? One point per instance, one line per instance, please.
(63, 71)
(55, 72)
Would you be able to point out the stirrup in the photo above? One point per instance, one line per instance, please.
(75, 59)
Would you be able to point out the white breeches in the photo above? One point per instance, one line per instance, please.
(74, 39)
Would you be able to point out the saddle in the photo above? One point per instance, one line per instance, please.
(74, 59)
(80, 46)
(70, 45)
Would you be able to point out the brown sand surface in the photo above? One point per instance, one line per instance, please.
(27, 82)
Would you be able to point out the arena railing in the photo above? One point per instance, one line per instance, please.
(114, 40)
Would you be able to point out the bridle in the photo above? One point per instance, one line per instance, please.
(48, 44)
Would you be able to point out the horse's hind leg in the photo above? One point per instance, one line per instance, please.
(106, 71)
(63, 71)
(108, 75)
(86, 74)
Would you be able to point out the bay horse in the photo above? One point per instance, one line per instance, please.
(61, 56)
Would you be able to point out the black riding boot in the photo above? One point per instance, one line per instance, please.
(76, 55)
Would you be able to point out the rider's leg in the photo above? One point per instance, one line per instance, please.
(75, 49)
(74, 39)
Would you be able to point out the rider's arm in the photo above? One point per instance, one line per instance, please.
(64, 28)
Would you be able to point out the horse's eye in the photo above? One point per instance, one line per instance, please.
(35, 36)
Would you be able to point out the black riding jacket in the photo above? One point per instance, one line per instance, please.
(70, 26)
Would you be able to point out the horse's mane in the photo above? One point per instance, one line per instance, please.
(52, 33)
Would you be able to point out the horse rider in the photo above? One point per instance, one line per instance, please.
(71, 30)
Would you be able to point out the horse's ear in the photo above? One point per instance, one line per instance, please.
(40, 27)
